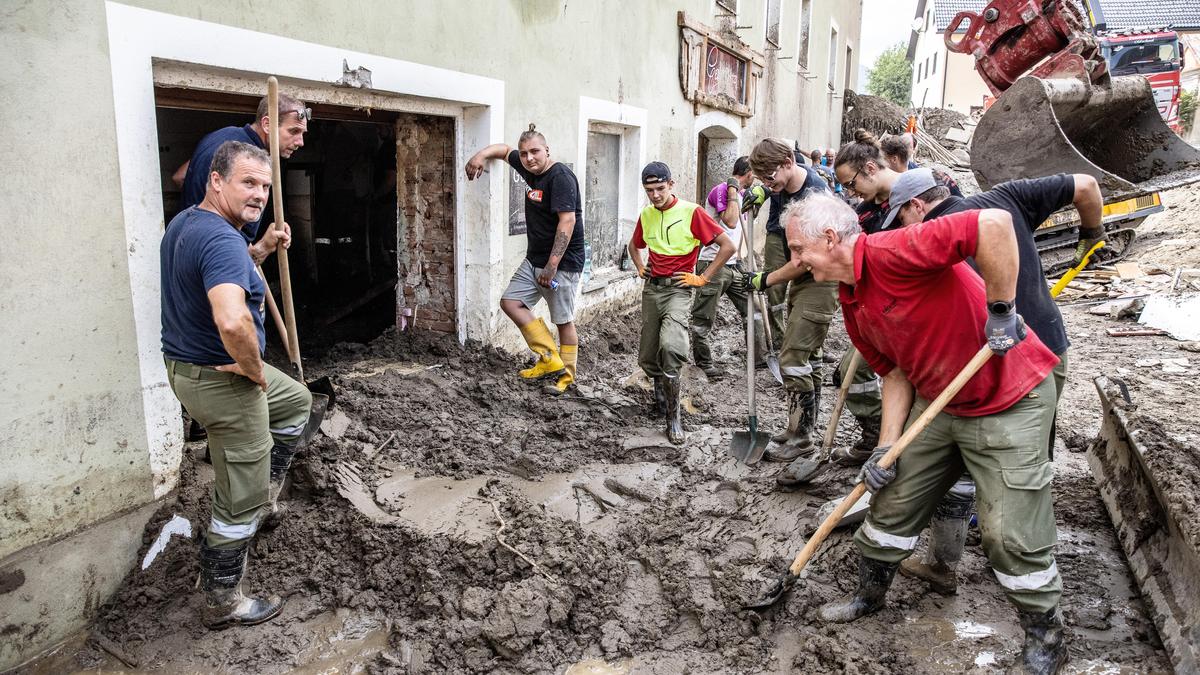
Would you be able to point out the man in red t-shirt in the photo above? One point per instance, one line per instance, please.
(917, 313)
(674, 230)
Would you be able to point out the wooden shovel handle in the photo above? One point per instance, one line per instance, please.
(285, 276)
(891, 456)
(831, 429)
(280, 327)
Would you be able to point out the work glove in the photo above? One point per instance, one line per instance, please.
(1004, 330)
(754, 196)
(1084, 246)
(874, 476)
(757, 281)
(688, 280)
(644, 272)
(733, 183)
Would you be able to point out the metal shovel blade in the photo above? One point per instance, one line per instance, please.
(748, 446)
(773, 366)
(323, 385)
(774, 594)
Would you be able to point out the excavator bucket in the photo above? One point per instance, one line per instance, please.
(1040, 127)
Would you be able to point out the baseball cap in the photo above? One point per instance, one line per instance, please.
(656, 172)
(910, 184)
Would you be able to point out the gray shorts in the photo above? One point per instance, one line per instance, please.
(525, 288)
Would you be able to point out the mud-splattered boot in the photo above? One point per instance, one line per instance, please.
(570, 359)
(660, 398)
(671, 386)
(282, 455)
(860, 452)
(874, 578)
(947, 536)
(541, 342)
(797, 439)
(221, 572)
(1045, 648)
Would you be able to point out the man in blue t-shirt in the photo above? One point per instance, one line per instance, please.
(213, 343)
(192, 175)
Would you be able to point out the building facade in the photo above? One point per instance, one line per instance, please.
(106, 99)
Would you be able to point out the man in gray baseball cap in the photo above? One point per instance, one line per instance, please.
(911, 184)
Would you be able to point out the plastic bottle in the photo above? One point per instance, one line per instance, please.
(587, 263)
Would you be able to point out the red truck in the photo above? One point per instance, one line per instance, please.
(1155, 54)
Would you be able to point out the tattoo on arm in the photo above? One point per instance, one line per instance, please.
(561, 241)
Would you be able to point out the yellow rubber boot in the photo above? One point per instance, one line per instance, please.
(539, 339)
(570, 357)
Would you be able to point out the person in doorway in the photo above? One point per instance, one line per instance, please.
(861, 168)
(213, 341)
(192, 176)
(674, 230)
(554, 255)
(725, 203)
(917, 197)
(918, 314)
(811, 304)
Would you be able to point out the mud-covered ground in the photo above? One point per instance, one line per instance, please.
(620, 552)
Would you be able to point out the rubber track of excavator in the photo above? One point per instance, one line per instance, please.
(1140, 471)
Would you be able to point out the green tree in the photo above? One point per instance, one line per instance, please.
(891, 76)
(1187, 110)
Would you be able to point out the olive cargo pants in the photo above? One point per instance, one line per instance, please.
(666, 310)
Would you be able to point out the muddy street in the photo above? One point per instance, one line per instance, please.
(452, 518)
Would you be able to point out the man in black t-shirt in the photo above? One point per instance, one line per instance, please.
(553, 259)
(917, 197)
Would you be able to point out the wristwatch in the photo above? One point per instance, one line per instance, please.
(1000, 307)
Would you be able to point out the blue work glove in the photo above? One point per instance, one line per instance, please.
(874, 476)
(1004, 328)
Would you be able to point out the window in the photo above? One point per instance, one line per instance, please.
(802, 36)
(833, 54)
(849, 83)
(772, 35)
(728, 6)
(928, 18)
(934, 71)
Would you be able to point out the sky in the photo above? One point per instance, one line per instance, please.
(884, 23)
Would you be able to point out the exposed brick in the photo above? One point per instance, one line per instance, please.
(425, 176)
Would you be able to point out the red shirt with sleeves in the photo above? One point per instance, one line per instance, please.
(916, 306)
(704, 228)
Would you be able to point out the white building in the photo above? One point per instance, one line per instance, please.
(941, 78)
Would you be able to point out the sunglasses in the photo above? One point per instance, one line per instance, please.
(849, 185)
(301, 113)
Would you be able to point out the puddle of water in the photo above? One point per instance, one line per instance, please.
(968, 629)
(341, 644)
(439, 506)
(598, 667)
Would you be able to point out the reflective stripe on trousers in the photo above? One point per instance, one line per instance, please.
(1034, 581)
(888, 540)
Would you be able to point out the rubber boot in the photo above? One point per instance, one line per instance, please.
(671, 386)
(570, 359)
(1045, 648)
(797, 440)
(539, 339)
(660, 398)
(221, 572)
(282, 455)
(860, 452)
(947, 536)
(874, 578)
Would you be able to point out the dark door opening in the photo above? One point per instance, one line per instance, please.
(343, 193)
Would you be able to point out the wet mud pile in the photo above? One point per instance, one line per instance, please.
(613, 547)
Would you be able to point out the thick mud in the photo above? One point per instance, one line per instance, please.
(452, 518)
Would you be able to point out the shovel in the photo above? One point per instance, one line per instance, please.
(788, 579)
(748, 446)
(757, 298)
(322, 386)
(809, 468)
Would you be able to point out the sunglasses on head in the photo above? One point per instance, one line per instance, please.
(301, 113)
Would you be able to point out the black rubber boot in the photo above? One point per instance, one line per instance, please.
(282, 455)
(671, 386)
(660, 398)
(1045, 648)
(860, 452)
(797, 440)
(221, 571)
(874, 578)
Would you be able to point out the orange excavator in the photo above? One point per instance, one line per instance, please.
(1060, 110)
